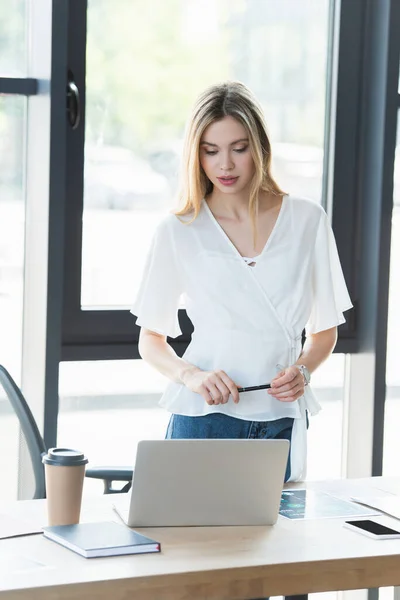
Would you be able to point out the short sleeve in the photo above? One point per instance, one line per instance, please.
(157, 301)
(330, 295)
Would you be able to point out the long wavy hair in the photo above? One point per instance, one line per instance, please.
(233, 99)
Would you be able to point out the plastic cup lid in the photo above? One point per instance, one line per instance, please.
(64, 457)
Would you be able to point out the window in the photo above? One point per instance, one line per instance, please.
(144, 69)
(137, 104)
(13, 120)
(13, 46)
(324, 453)
(116, 406)
(12, 221)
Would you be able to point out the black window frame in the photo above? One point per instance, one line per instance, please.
(112, 334)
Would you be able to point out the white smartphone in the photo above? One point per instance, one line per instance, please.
(373, 529)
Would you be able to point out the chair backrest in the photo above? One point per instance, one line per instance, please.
(34, 440)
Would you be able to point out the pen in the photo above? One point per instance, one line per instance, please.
(265, 386)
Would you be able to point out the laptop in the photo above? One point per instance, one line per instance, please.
(205, 483)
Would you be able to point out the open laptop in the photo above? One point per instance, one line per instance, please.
(205, 482)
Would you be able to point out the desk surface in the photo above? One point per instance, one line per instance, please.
(292, 557)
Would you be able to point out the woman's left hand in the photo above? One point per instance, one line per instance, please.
(288, 385)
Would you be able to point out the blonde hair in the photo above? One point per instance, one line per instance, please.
(234, 99)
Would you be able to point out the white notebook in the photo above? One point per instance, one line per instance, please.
(12, 527)
(390, 505)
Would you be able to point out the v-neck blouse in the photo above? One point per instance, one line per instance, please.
(246, 320)
(229, 241)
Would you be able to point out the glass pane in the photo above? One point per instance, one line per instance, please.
(9, 447)
(146, 63)
(325, 429)
(12, 224)
(13, 27)
(116, 406)
(392, 405)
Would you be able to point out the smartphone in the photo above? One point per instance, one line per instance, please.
(373, 529)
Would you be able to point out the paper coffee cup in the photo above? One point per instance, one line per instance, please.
(64, 474)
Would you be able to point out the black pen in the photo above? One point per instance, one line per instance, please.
(265, 386)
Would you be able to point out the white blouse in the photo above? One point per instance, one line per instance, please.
(247, 319)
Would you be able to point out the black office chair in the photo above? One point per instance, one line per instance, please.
(111, 474)
(37, 447)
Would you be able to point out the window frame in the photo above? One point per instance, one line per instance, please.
(112, 334)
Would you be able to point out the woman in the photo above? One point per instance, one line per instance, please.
(255, 266)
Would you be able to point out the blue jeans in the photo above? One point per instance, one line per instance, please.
(218, 425)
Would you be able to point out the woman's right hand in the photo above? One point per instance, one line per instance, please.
(214, 386)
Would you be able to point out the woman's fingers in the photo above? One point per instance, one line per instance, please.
(227, 387)
(206, 394)
(287, 389)
(293, 394)
(290, 385)
(277, 377)
(287, 383)
(215, 392)
(230, 385)
(214, 386)
(285, 377)
(222, 391)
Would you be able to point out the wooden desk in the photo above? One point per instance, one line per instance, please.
(213, 563)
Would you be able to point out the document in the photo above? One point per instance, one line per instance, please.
(12, 527)
(390, 505)
(313, 504)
